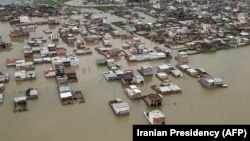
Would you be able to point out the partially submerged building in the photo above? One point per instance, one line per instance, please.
(212, 82)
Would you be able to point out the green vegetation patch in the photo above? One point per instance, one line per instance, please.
(105, 8)
(50, 2)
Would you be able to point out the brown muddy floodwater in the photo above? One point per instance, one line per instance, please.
(46, 119)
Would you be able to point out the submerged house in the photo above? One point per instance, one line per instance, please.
(164, 68)
(155, 117)
(50, 72)
(69, 76)
(139, 78)
(5, 44)
(25, 66)
(68, 38)
(20, 104)
(110, 75)
(61, 50)
(192, 72)
(25, 71)
(163, 76)
(53, 21)
(23, 22)
(119, 107)
(182, 57)
(182, 67)
(68, 61)
(146, 70)
(1, 97)
(13, 61)
(18, 33)
(65, 94)
(153, 99)
(4, 77)
(112, 64)
(31, 93)
(58, 70)
(25, 75)
(165, 89)
(133, 91)
(176, 73)
(130, 28)
(127, 78)
(28, 52)
(212, 82)
(48, 51)
(92, 38)
(54, 37)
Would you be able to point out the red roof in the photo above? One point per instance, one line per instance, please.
(12, 61)
(60, 50)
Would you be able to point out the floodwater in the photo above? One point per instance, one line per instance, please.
(47, 119)
(7, 2)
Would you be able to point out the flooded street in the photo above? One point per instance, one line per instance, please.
(47, 119)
